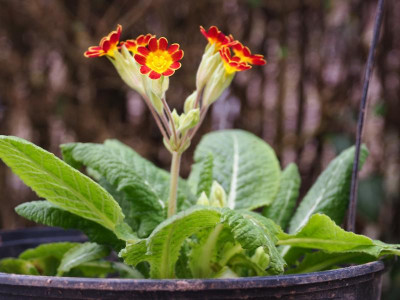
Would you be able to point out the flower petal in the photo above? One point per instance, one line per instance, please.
(154, 75)
(153, 44)
(175, 65)
(144, 69)
(143, 50)
(140, 59)
(162, 43)
(177, 55)
(169, 72)
(173, 48)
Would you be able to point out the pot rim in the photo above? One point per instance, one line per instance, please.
(125, 284)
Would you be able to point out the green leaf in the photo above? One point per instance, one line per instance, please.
(46, 257)
(126, 271)
(46, 213)
(204, 251)
(93, 269)
(322, 233)
(80, 254)
(57, 250)
(201, 177)
(120, 168)
(321, 261)
(17, 266)
(252, 230)
(330, 193)
(161, 248)
(53, 179)
(243, 164)
(282, 208)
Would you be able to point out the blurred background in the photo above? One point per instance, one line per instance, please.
(304, 102)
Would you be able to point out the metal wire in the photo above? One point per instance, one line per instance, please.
(351, 217)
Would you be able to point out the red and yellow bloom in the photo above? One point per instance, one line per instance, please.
(215, 36)
(158, 58)
(141, 41)
(232, 64)
(245, 55)
(107, 45)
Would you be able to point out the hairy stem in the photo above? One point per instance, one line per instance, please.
(173, 189)
(156, 117)
(169, 114)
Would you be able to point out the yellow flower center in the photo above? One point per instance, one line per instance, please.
(242, 57)
(228, 68)
(159, 61)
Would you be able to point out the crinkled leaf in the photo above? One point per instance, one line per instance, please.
(252, 231)
(322, 233)
(243, 164)
(330, 193)
(46, 213)
(142, 187)
(17, 266)
(201, 177)
(281, 210)
(80, 254)
(118, 168)
(59, 183)
(162, 247)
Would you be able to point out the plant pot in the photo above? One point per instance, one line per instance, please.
(356, 282)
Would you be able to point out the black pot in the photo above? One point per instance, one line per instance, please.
(357, 282)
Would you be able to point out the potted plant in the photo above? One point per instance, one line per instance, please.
(218, 234)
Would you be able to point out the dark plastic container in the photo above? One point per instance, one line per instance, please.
(357, 282)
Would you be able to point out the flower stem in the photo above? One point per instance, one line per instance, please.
(173, 189)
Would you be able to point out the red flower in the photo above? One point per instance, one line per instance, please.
(245, 55)
(232, 64)
(107, 45)
(158, 58)
(141, 41)
(215, 36)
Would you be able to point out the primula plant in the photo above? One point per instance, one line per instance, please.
(234, 216)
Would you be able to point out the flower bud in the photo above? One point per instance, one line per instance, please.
(128, 70)
(261, 258)
(189, 120)
(203, 200)
(208, 63)
(217, 195)
(218, 82)
(190, 102)
(175, 118)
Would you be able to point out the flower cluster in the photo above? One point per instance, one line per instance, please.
(241, 60)
(147, 62)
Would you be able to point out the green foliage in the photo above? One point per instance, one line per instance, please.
(205, 179)
(161, 249)
(82, 253)
(142, 187)
(17, 266)
(320, 261)
(221, 239)
(243, 164)
(282, 208)
(330, 193)
(46, 213)
(60, 184)
(322, 233)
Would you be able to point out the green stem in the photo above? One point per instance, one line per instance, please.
(173, 188)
